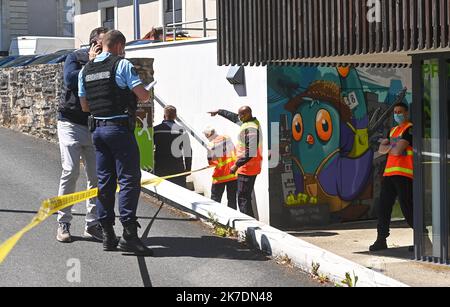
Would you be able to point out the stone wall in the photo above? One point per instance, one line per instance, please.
(29, 99)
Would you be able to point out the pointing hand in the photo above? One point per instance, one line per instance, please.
(213, 113)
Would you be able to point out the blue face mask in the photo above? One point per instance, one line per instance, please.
(399, 118)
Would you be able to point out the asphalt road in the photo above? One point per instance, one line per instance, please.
(187, 254)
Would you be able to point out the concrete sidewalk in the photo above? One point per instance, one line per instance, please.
(272, 241)
(352, 242)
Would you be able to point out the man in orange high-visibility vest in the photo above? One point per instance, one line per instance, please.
(249, 151)
(222, 155)
(398, 175)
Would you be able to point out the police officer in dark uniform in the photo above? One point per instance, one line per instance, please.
(109, 88)
(173, 153)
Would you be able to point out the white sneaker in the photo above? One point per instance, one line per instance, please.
(63, 233)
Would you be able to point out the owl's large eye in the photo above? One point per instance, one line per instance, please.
(297, 127)
(324, 125)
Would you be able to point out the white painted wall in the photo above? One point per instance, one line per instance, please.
(189, 78)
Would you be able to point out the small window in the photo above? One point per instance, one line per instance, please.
(69, 13)
(109, 17)
(169, 9)
(169, 5)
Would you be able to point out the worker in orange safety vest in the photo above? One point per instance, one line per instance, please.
(398, 175)
(249, 153)
(222, 155)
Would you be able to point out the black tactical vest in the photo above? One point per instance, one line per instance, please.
(105, 97)
(69, 104)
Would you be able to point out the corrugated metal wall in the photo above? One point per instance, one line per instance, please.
(261, 31)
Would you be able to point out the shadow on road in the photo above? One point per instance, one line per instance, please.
(314, 234)
(204, 247)
(143, 269)
(397, 252)
(82, 239)
(83, 215)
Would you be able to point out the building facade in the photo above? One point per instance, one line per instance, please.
(25, 18)
(356, 59)
(118, 14)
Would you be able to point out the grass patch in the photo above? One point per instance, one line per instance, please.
(220, 230)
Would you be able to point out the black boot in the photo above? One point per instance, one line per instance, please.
(110, 240)
(130, 242)
(379, 245)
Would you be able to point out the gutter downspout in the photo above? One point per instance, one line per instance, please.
(137, 20)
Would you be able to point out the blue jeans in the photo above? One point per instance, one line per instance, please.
(118, 161)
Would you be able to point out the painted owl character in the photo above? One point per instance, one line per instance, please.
(331, 154)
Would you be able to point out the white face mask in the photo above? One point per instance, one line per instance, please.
(400, 118)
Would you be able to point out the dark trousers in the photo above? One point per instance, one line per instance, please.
(218, 190)
(246, 184)
(118, 161)
(392, 188)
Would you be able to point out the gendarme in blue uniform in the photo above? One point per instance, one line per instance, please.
(107, 84)
(126, 75)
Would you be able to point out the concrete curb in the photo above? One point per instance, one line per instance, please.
(270, 240)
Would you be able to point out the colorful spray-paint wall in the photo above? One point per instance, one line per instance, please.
(144, 115)
(330, 121)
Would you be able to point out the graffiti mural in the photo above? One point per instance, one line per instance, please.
(331, 119)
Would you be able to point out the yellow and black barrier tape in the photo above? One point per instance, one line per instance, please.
(53, 205)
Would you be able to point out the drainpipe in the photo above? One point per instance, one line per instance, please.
(174, 15)
(137, 20)
(205, 33)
